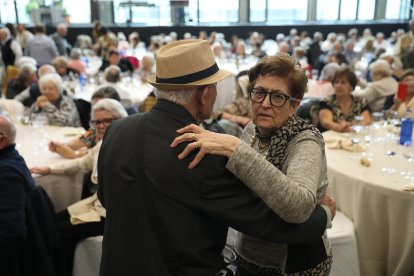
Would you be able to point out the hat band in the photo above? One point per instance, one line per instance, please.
(191, 77)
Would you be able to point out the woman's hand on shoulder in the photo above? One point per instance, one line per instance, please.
(206, 141)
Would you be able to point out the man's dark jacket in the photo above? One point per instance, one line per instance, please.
(164, 219)
(15, 183)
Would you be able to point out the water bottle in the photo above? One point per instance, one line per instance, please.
(406, 128)
(82, 81)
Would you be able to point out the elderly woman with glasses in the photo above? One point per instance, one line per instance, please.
(87, 217)
(283, 158)
(80, 146)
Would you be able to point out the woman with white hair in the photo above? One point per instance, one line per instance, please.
(60, 110)
(85, 218)
(147, 67)
(382, 86)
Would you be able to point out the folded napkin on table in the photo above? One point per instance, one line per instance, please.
(345, 144)
(394, 129)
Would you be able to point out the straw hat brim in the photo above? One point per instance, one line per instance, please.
(220, 75)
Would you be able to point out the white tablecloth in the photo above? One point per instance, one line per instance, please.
(383, 214)
(137, 90)
(32, 145)
(226, 89)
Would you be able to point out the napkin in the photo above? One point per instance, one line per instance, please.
(393, 129)
(409, 188)
(345, 144)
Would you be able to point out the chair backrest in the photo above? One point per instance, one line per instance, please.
(84, 110)
(42, 253)
(389, 101)
(308, 110)
(11, 73)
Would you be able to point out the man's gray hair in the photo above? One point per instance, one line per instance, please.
(8, 129)
(112, 106)
(179, 97)
(75, 53)
(112, 74)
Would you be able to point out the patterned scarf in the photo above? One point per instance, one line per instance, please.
(282, 137)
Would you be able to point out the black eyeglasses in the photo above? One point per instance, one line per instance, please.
(277, 99)
(105, 122)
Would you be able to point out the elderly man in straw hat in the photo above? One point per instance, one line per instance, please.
(162, 218)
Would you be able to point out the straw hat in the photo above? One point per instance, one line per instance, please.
(186, 64)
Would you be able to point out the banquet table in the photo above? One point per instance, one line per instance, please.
(226, 89)
(137, 90)
(382, 212)
(32, 143)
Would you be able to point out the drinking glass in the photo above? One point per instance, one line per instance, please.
(408, 153)
(39, 120)
(390, 149)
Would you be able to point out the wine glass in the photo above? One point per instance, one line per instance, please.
(408, 153)
(390, 149)
(356, 133)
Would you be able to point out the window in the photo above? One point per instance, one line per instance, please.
(214, 10)
(157, 12)
(71, 7)
(287, 10)
(366, 9)
(398, 9)
(79, 11)
(7, 13)
(348, 9)
(258, 11)
(327, 10)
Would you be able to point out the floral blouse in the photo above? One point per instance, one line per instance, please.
(89, 138)
(358, 106)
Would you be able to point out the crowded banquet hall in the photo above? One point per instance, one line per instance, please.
(261, 137)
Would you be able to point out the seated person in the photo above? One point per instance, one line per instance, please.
(233, 117)
(59, 109)
(114, 58)
(61, 65)
(28, 96)
(75, 63)
(323, 86)
(80, 146)
(16, 182)
(337, 112)
(26, 77)
(408, 104)
(113, 78)
(85, 218)
(147, 67)
(382, 85)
